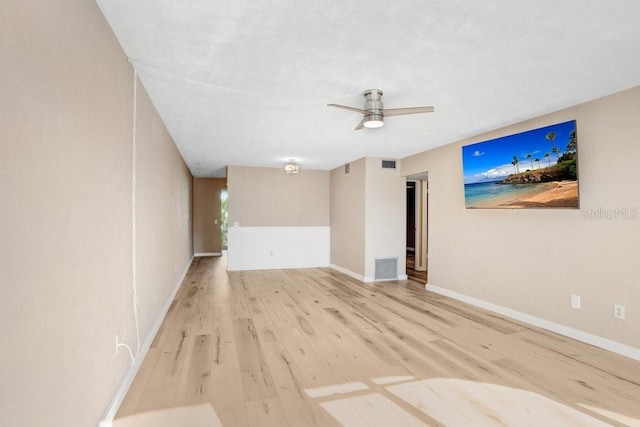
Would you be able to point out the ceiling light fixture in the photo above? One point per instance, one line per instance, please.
(291, 168)
(373, 121)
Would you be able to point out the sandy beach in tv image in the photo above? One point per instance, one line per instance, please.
(532, 169)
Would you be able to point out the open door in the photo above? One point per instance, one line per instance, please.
(417, 226)
(411, 217)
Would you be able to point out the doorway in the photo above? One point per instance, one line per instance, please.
(417, 189)
(224, 195)
(207, 219)
(411, 217)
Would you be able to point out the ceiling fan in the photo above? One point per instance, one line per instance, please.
(374, 113)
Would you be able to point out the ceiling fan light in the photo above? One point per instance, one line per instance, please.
(373, 122)
(291, 168)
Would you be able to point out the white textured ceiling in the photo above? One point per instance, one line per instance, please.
(247, 82)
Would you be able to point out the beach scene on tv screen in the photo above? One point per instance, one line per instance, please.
(532, 169)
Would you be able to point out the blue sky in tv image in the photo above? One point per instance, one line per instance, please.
(493, 160)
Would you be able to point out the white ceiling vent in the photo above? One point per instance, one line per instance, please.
(386, 269)
(388, 164)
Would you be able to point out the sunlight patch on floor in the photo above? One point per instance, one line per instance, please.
(456, 402)
(391, 380)
(335, 389)
(371, 410)
(202, 415)
(452, 402)
(629, 421)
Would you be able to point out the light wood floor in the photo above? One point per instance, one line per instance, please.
(315, 347)
(417, 275)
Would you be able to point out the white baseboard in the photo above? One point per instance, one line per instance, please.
(349, 273)
(604, 343)
(395, 279)
(362, 278)
(207, 254)
(121, 392)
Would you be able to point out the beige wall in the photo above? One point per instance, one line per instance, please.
(533, 260)
(207, 235)
(367, 217)
(66, 213)
(268, 197)
(385, 215)
(347, 217)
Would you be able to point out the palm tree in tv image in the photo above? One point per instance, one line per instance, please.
(572, 144)
(529, 156)
(548, 160)
(515, 162)
(537, 160)
(551, 137)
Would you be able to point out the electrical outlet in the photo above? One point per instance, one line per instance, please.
(618, 311)
(575, 302)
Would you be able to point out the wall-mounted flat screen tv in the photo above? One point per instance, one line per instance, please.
(533, 169)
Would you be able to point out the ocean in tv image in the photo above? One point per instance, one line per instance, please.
(532, 169)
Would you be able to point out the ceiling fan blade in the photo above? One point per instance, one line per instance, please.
(361, 124)
(344, 107)
(387, 112)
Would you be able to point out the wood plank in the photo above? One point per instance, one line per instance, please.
(195, 384)
(130, 404)
(257, 383)
(266, 413)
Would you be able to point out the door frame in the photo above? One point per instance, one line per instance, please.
(421, 239)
